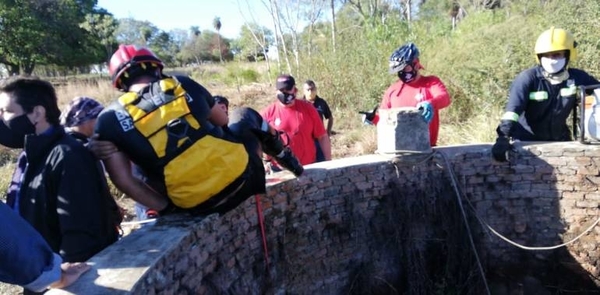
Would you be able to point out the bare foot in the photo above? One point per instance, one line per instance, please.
(70, 273)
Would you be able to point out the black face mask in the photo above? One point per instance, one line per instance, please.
(12, 133)
(286, 98)
(407, 77)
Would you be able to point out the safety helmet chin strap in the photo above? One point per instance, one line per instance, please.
(556, 78)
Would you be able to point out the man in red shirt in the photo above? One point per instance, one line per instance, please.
(412, 89)
(298, 120)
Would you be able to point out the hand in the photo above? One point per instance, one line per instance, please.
(70, 273)
(501, 148)
(426, 111)
(100, 148)
(368, 117)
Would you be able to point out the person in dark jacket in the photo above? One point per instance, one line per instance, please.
(541, 98)
(61, 191)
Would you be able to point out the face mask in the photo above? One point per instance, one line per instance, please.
(19, 127)
(10, 139)
(286, 98)
(553, 66)
(407, 77)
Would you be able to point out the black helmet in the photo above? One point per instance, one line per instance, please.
(403, 56)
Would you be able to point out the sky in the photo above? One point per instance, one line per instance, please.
(182, 14)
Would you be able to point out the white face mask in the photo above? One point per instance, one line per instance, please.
(553, 66)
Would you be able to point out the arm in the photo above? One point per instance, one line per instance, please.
(386, 102)
(117, 163)
(439, 94)
(319, 132)
(517, 102)
(25, 257)
(325, 144)
(330, 125)
(329, 116)
(119, 169)
(589, 79)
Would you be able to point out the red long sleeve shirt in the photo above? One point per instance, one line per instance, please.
(426, 88)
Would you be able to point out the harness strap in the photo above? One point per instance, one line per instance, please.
(192, 135)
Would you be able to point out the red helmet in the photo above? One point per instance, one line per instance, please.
(130, 61)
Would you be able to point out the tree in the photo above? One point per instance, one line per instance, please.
(45, 32)
(273, 8)
(217, 26)
(164, 47)
(102, 25)
(312, 15)
(195, 31)
(131, 31)
(179, 37)
(254, 41)
(205, 47)
(333, 25)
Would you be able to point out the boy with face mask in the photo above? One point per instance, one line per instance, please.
(412, 89)
(541, 98)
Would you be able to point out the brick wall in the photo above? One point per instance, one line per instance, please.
(373, 225)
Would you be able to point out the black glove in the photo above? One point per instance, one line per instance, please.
(368, 117)
(501, 148)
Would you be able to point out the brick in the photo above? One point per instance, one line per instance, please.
(556, 161)
(566, 170)
(363, 185)
(592, 196)
(593, 171)
(586, 204)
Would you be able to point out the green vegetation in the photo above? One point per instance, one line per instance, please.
(477, 57)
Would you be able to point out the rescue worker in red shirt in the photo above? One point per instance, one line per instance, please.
(412, 89)
(298, 120)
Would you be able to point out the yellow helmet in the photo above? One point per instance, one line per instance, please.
(555, 40)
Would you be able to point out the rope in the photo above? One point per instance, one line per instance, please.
(261, 223)
(482, 221)
(461, 196)
(131, 223)
(464, 215)
(398, 160)
(543, 248)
